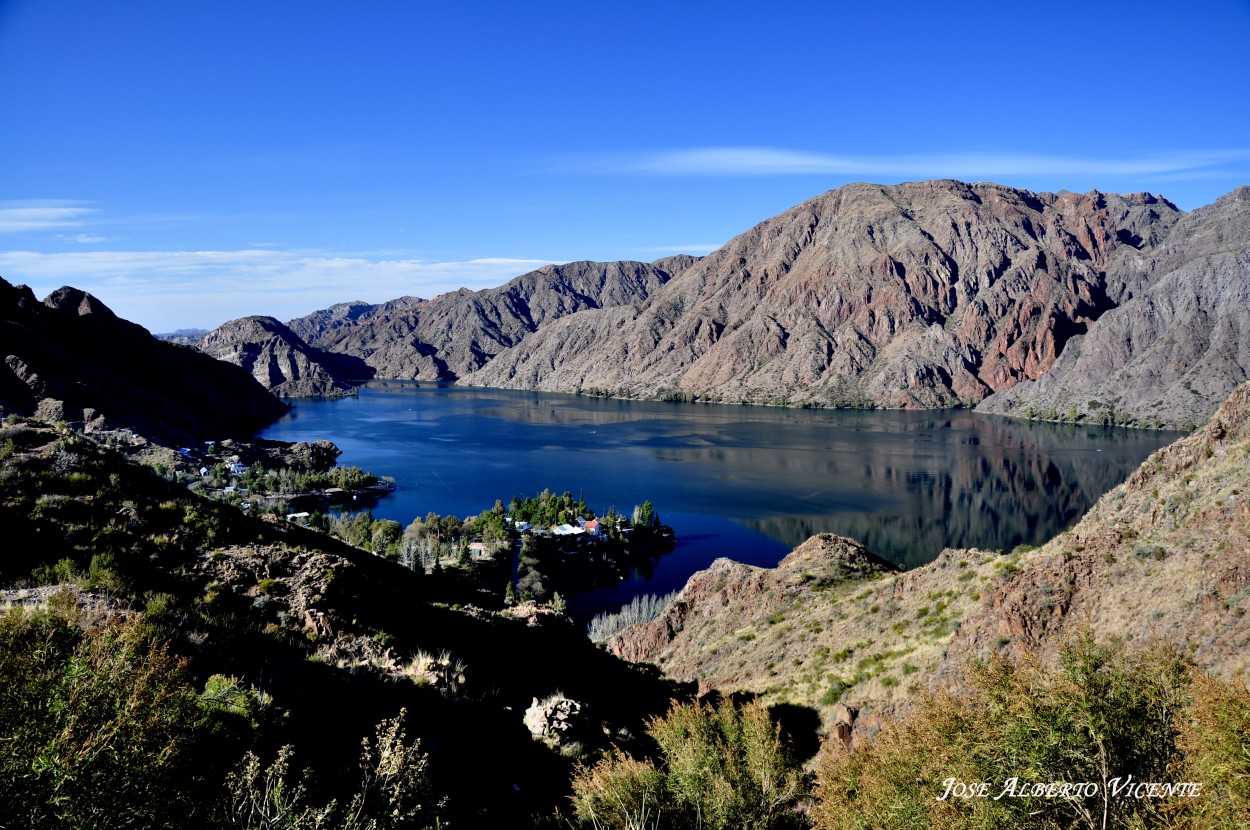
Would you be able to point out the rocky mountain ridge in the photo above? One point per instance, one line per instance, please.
(281, 361)
(457, 333)
(1091, 307)
(924, 294)
(71, 359)
(1178, 343)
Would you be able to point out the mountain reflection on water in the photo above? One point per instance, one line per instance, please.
(748, 482)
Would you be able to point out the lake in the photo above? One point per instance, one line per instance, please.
(745, 482)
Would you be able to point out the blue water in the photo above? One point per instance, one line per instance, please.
(744, 482)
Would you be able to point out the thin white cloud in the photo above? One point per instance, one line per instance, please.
(772, 161)
(42, 215)
(166, 290)
(83, 238)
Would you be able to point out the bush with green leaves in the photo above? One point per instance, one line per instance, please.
(99, 724)
(720, 767)
(1215, 745)
(1104, 712)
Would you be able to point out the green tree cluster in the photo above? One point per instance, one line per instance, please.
(548, 509)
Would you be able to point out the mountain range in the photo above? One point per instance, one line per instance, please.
(1086, 307)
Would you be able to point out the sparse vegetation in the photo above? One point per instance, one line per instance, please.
(641, 609)
(722, 767)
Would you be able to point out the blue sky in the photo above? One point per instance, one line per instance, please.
(191, 162)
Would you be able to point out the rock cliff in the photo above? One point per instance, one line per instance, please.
(71, 359)
(924, 294)
(457, 333)
(279, 360)
(1175, 347)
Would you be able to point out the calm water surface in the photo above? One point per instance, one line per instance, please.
(744, 482)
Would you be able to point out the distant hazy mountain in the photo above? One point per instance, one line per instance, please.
(453, 334)
(71, 359)
(183, 337)
(322, 324)
(279, 360)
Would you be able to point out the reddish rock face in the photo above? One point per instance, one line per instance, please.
(917, 295)
(1173, 346)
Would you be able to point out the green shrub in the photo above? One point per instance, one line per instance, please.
(723, 767)
(100, 725)
(1215, 741)
(1103, 713)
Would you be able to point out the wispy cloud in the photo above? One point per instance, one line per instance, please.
(773, 161)
(83, 238)
(176, 289)
(23, 217)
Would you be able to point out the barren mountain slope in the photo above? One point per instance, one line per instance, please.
(916, 295)
(1169, 355)
(320, 325)
(457, 333)
(276, 356)
(1166, 554)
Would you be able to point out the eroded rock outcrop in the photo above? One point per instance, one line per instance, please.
(1175, 347)
(278, 359)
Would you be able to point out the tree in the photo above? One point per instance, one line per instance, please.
(645, 515)
(385, 537)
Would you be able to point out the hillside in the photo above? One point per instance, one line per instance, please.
(1165, 554)
(457, 333)
(279, 360)
(924, 294)
(71, 359)
(183, 632)
(311, 643)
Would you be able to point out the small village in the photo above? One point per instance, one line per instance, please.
(532, 549)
